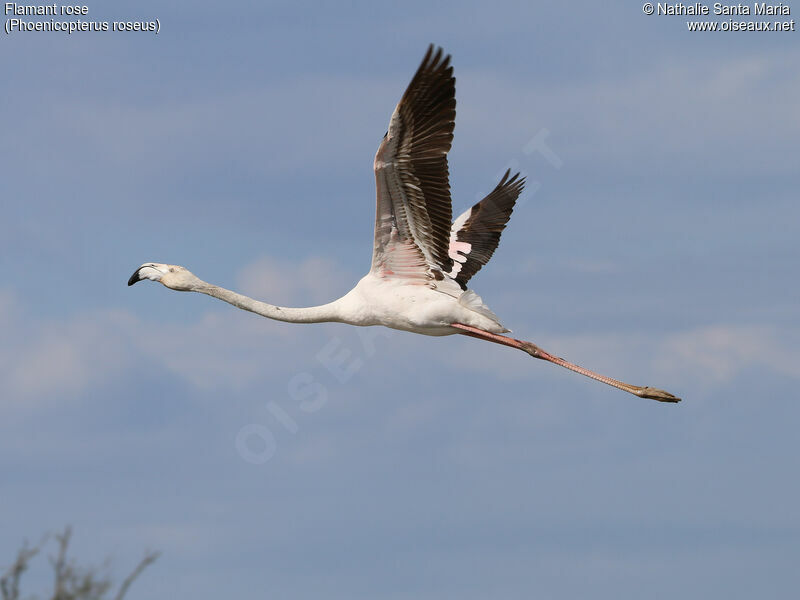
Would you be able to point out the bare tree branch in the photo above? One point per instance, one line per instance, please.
(70, 581)
(60, 563)
(9, 582)
(148, 559)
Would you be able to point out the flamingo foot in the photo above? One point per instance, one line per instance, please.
(656, 394)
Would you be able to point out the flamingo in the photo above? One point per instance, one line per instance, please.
(421, 261)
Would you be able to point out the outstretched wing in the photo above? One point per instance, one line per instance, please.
(412, 222)
(475, 235)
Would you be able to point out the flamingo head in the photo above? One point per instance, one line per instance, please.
(175, 277)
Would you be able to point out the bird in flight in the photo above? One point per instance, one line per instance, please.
(422, 260)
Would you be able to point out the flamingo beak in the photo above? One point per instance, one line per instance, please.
(151, 271)
(135, 277)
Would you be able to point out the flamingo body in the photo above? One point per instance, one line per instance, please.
(420, 309)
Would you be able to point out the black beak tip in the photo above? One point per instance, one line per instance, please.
(134, 278)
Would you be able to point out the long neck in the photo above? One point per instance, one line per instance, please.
(313, 314)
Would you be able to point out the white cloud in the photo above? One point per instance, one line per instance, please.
(690, 107)
(60, 359)
(226, 349)
(687, 110)
(718, 354)
(316, 279)
(278, 125)
(44, 361)
(705, 356)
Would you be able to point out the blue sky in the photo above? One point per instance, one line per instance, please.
(657, 243)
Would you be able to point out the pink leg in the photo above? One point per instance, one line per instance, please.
(536, 352)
